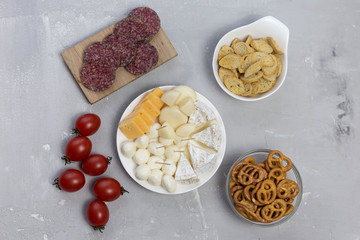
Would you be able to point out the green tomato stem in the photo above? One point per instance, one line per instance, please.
(75, 131)
(56, 183)
(123, 190)
(100, 228)
(66, 159)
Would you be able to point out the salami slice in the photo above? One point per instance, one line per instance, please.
(132, 27)
(102, 52)
(97, 76)
(146, 57)
(150, 19)
(123, 45)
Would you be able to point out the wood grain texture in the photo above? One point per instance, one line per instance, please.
(73, 58)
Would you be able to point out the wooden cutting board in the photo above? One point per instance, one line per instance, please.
(73, 58)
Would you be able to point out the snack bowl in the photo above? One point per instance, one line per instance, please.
(262, 28)
(293, 174)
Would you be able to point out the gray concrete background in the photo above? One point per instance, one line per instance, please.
(312, 119)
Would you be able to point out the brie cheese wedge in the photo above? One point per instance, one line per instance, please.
(201, 114)
(202, 159)
(211, 137)
(184, 172)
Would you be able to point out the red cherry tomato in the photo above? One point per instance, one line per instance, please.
(108, 189)
(77, 149)
(97, 214)
(87, 124)
(70, 180)
(95, 164)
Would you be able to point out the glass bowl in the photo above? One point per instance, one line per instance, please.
(293, 174)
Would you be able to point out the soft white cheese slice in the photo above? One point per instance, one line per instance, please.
(202, 159)
(210, 137)
(184, 172)
(201, 114)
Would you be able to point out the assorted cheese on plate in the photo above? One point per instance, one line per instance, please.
(171, 139)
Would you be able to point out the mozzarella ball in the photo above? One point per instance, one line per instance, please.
(155, 177)
(128, 149)
(141, 156)
(142, 142)
(172, 152)
(169, 183)
(142, 172)
(169, 167)
(153, 133)
(165, 141)
(155, 162)
(156, 149)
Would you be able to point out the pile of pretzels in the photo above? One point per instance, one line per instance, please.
(261, 192)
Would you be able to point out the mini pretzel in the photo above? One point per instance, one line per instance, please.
(276, 174)
(262, 165)
(248, 191)
(288, 164)
(274, 211)
(250, 160)
(287, 189)
(235, 188)
(289, 209)
(273, 158)
(238, 196)
(288, 200)
(258, 215)
(232, 184)
(250, 173)
(277, 159)
(267, 192)
(235, 170)
(247, 213)
(240, 201)
(253, 195)
(248, 205)
(267, 168)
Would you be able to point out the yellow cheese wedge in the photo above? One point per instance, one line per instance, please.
(141, 123)
(130, 129)
(158, 92)
(149, 107)
(148, 119)
(154, 99)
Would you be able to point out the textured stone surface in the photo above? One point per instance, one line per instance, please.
(312, 119)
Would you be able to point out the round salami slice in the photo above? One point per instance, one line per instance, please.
(132, 27)
(97, 76)
(150, 19)
(123, 45)
(102, 52)
(146, 57)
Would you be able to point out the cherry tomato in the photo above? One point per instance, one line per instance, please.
(70, 180)
(77, 149)
(87, 124)
(108, 189)
(95, 164)
(97, 214)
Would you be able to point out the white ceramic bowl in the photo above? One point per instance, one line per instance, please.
(264, 27)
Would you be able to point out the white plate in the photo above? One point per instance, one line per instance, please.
(130, 166)
(262, 28)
